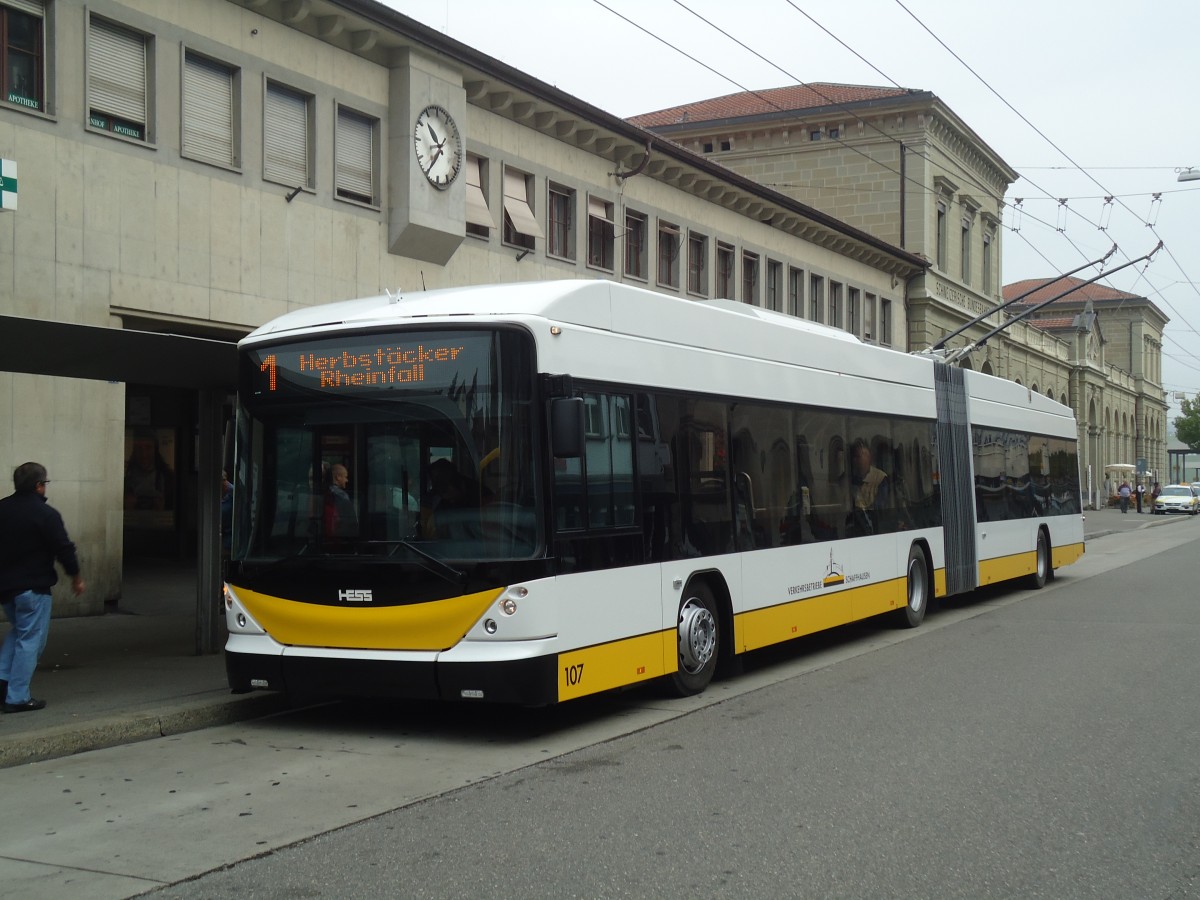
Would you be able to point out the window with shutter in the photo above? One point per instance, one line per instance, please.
(209, 111)
(118, 99)
(520, 224)
(355, 172)
(479, 218)
(287, 137)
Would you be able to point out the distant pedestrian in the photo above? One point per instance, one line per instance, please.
(32, 537)
(1141, 492)
(1123, 492)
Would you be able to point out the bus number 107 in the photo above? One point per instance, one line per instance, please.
(573, 674)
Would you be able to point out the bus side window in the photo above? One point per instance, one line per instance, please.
(596, 491)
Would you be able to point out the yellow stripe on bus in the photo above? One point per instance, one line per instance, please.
(615, 664)
(1005, 568)
(1064, 556)
(775, 624)
(436, 625)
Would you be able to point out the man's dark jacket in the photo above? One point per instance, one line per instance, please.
(32, 536)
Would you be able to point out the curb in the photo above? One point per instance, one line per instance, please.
(128, 728)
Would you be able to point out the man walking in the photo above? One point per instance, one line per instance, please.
(32, 537)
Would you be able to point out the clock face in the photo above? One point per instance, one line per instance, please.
(438, 145)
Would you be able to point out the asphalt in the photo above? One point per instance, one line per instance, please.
(132, 674)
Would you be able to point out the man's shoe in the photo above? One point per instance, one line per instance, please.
(28, 706)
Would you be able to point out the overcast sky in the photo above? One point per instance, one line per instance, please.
(1111, 86)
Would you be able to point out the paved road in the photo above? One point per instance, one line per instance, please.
(1046, 748)
(869, 763)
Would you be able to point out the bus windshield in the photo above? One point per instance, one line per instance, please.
(412, 445)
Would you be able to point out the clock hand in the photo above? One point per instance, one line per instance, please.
(433, 134)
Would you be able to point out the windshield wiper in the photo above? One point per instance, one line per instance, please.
(427, 561)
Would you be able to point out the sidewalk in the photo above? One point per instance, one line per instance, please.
(128, 675)
(132, 674)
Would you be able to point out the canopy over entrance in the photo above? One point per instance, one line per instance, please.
(116, 354)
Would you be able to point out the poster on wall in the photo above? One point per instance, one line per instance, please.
(150, 478)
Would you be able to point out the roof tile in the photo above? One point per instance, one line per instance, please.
(794, 97)
(1094, 292)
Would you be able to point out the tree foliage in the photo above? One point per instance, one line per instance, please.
(1187, 426)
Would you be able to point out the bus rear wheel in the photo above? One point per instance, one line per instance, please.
(918, 590)
(699, 636)
(1041, 569)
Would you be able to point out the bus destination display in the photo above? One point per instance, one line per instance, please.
(427, 361)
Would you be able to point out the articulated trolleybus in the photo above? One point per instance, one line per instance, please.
(530, 493)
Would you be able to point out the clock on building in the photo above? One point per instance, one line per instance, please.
(438, 145)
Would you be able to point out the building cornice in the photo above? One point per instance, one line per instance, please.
(375, 32)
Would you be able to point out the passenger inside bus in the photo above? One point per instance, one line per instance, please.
(341, 520)
(870, 491)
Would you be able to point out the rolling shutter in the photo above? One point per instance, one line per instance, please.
(355, 157)
(285, 141)
(208, 111)
(117, 72)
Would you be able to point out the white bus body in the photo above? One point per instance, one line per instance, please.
(716, 506)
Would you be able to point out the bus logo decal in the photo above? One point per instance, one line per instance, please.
(833, 574)
(351, 596)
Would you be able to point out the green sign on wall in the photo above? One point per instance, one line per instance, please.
(8, 184)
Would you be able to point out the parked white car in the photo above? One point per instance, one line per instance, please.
(1180, 498)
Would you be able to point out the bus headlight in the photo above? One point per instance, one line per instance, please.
(508, 606)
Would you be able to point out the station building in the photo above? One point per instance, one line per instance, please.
(185, 171)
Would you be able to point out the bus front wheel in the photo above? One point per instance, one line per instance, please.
(698, 633)
(918, 590)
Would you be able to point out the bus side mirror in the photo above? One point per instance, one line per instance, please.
(566, 427)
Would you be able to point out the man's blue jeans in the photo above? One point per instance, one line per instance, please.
(29, 614)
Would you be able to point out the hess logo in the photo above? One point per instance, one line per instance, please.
(355, 596)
